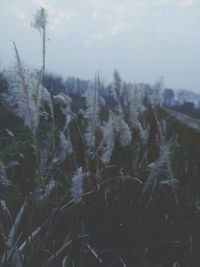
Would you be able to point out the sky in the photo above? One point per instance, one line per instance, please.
(143, 39)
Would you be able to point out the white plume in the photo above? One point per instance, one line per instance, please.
(3, 177)
(25, 93)
(64, 101)
(108, 139)
(155, 98)
(77, 185)
(91, 114)
(116, 126)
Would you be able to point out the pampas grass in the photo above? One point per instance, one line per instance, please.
(25, 93)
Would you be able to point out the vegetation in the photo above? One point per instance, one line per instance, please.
(92, 180)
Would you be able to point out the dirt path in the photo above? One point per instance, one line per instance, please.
(187, 120)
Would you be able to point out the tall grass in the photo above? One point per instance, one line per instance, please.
(88, 161)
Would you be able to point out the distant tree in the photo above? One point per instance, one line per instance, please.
(55, 84)
(168, 97)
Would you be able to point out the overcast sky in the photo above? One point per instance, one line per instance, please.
(143, 39)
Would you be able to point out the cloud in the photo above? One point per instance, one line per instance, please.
(41, 3)
(60, 21)
(20, 15)
(94, 39)
(18, 9)
(119, 28)
(177, 3)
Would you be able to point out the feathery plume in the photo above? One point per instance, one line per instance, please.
(64, 102)
(25, 93)
(77, 185)
(157, 89)
(40, 23)
(116, 126)
(40, 19)
(92, 112)
(108, 139)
